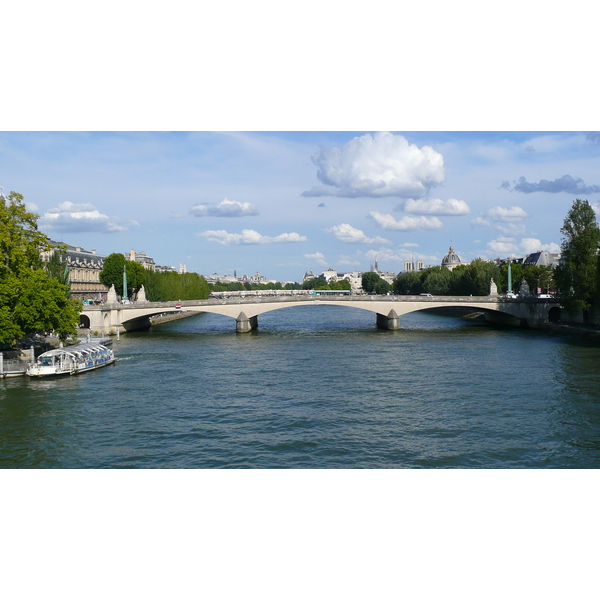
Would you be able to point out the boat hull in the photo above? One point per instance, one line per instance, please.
(53, 372)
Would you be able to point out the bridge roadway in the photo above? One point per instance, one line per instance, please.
(108, 318)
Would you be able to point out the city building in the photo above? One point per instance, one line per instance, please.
(452, 260)
(84, 271)
(542, 258)
(142, 258)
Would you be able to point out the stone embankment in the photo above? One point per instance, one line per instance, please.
(591, 333)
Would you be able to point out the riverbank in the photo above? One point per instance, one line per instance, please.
(591, 332)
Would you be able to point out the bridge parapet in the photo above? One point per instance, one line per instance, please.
(109, 317)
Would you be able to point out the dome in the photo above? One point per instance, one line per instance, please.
(451, 259)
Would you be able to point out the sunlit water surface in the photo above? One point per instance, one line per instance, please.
(315, 387)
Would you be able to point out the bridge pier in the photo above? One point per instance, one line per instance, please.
(243, 324)
(389, 321)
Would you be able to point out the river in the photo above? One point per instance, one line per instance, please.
(315, 387)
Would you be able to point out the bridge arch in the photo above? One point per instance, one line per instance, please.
(388, 309)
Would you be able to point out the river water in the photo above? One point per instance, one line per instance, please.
(315, 387)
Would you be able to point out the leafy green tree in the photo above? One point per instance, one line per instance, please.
(170, 286)
(369, 280)
(408, 283)
(382, 287)
(438, 282)
(112, 272)
(57, 267)
(577, 274)
(20, 240)
(136, 275)
(31, 300)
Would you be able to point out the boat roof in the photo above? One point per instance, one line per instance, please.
(78, 350)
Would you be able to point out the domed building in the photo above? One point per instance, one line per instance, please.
(451, 260)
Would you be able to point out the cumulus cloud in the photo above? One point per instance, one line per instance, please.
(530, 245)
(385, 255)
(405, 223)
(377, 165)
(249, 236)
(507, 246)
(350, 235)
(82, 218)
(564, 184)
(318, 257)
(507, 215)
(226, 208)
(503, 246)
(507, 228)
(450, 207)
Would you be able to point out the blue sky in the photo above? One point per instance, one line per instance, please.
(282, 203)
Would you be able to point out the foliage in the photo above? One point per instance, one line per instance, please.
(369, 280)
(112, 274)
(31, 299)
(58, 268)
(382, 287)
(20, 240)
(171, 286)
(464, 280)
(408, 283)
(577, 275)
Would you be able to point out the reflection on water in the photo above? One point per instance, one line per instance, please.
(315, 387)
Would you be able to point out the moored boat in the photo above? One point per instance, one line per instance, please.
(72, 360)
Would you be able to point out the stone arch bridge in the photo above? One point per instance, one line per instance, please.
(110, 318)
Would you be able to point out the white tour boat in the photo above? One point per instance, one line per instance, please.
(72, 360)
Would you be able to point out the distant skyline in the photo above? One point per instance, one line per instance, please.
(283, 203)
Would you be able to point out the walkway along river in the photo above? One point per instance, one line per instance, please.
(316, 387)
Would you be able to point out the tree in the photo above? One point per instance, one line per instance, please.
(408, 282)
(369, 280)
(20, 240)
(57, 267)
(112, 274)
(382, 287)
(31, 300)
(577, 274)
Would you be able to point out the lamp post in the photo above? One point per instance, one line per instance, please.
(509, 290)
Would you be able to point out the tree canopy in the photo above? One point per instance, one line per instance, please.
(32, 300)
(577, 274)
(112, 274)
(171, 286)
(465, 280)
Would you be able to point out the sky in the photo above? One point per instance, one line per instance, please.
(284, 203)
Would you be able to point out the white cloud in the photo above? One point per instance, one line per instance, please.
(384, 255)
(530, 245)
(226, 208)
(348, 234)
(479, 222)
(503, 246)
(435, 206)
(508, 215)
(318, 257)
(405, 223)
(82, 218)
(377, 165)
(249, 236)
(508, 229)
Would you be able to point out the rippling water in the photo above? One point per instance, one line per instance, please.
(315, 387)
